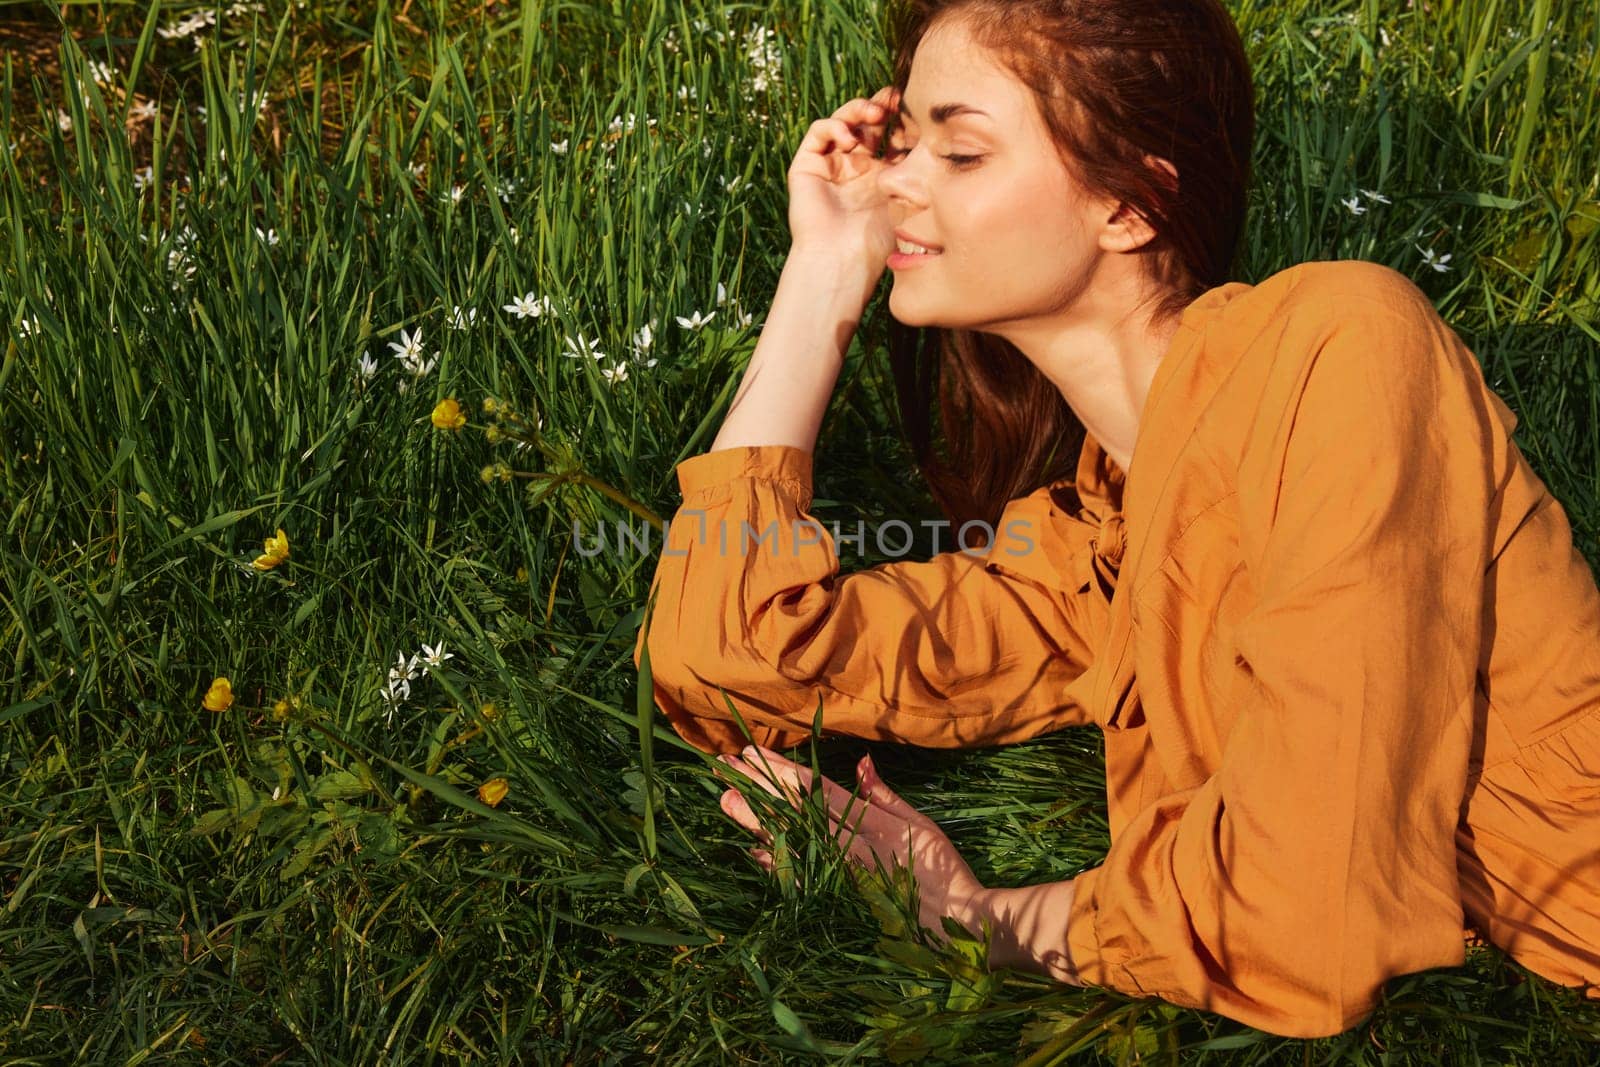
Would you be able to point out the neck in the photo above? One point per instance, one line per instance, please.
(1102, 354)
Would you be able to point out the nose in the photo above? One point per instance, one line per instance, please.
(900, 182)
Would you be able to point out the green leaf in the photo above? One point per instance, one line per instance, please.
(338, 785)
(212, 821)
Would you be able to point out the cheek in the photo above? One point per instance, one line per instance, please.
(1015, 221)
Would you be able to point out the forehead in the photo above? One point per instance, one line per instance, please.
(948, 67)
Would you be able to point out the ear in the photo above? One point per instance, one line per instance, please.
(1127, 230)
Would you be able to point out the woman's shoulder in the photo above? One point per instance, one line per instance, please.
(1353, 337)
(1350, 310)
(1347, 292)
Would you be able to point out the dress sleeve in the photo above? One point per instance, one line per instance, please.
(1319, 860)
(972, 647)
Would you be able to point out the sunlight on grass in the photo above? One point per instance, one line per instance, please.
(418, 289)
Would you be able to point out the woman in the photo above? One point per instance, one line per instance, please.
(1344, 653)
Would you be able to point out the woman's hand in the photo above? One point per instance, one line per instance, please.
(835, 207)
(880, 827)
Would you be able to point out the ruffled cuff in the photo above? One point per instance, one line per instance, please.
(1094, 962)
(775, 463)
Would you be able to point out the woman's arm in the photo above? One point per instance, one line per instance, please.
(799, 354)
(750, 610)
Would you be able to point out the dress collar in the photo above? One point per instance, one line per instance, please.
(1099, 482)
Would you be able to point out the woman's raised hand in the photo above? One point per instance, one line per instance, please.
(835, 207)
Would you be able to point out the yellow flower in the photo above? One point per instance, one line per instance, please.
(447, 415)
(220, 696)
(277, 551)
(489, 711)
(282, 710)
(494, 791)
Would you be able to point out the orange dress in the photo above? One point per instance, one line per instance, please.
(1344, 653)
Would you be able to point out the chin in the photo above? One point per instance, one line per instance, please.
(911, 317)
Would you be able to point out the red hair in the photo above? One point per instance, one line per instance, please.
(1117, 82)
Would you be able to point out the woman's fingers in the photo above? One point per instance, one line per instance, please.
(826, 136)
(875, 108)
(737, 808)
(858, 122)
(849, 812)
(882, 796)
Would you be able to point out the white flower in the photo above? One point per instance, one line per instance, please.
(63, 120)
(688, 92)
(643, 339)
(184, 28)
(529, 305)
(270, 236)
(1432, 259)
(516, 237)
(367, 367)
(411, 355)
(409, 348)
(403, 668)
(765, 56)
(141, 178)
(742, 319)
(435, 656)
(1354, 205)
(695, 322)
(583, 348)
(722, 294)
(1373, 194)
(179, 260)
(507, 188)
(560, 148)
(461, 322)
(729, 185)
(28, 327)
(258, 104)
(417, 169)
(277, 792)
(392, 694)
(100, 72)
(616, 374)
(454, 195)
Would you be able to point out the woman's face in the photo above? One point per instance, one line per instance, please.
(1016, 233)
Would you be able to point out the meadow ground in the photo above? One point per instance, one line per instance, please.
(252, 253)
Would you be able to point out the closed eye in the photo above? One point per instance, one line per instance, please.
(957, 162)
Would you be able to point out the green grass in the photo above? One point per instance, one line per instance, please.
(321, 884)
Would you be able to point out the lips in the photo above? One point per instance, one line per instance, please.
(903, 236)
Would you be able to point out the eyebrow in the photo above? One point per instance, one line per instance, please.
(941, 112)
